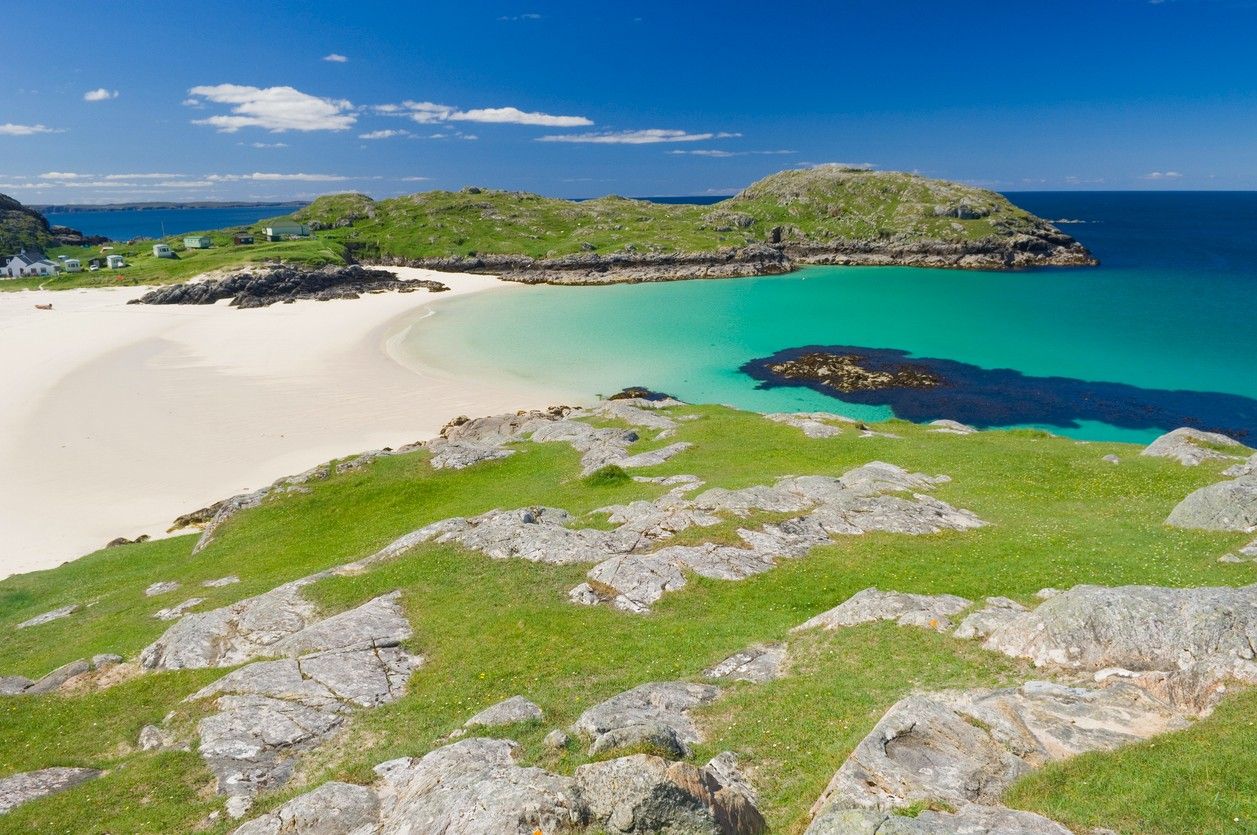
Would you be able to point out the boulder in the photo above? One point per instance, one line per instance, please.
(230, 579)
(1225, 506)
(951, 427)
(1191, 446)
(152, 738)
(333, 808)
(962, 747)
(969, 820)
(228, 509)
(178, 610)
(647, 794)
(756, 664)
(928, 611)
(1248, 467)
(24, 787)
(506, 712)
(53, 681)
(48, 617)
(161, 588)
(475, 787)
(1111, 459)
(665, 704)
(556, 739)
(811, 424)
(996, 612)
(14, 685)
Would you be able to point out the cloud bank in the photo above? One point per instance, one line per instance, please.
(275, 109)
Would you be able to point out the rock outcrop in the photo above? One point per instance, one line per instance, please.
(996, 612)
(510, 711)
(265, 287)
(756, 664)
(927, 611)
(17, 789)
(657, 712)
(1190, 446)
(1225, 506)
(812, 424)
(49, 617)
(331, 809)
(970, 820)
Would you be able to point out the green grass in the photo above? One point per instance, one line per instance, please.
(489, 629)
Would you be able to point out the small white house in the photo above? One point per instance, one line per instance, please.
(163, 251)
(115, 262)
(72, 265)
(284, 229)
(26, 264)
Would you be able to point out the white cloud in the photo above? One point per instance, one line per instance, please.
(716, 153)
(858, 166)
(62, 175)
(415, 179)
(518, 17)
(430, 113)
(267, 144)
(153, 176)
(335, 58)
(10, 129)
(100, 94)
(1161, 175)
(259, 175)
(383, 134)
(649, 136)
(273, 108)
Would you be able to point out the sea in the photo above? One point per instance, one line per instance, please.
(1162, 333)
(125, 224)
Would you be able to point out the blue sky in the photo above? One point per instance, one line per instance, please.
(179, 100)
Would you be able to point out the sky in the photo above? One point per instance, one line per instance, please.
(244, 101)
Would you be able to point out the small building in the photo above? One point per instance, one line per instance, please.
(282, 230)
(197, 242)
(115, 262)
(163, 251)
(242, 239)
(26, 264)
(72, 265)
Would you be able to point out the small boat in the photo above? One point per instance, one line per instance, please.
(43, 307)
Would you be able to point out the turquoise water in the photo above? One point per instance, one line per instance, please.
(1171, 308)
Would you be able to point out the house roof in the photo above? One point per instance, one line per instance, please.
(27, 259)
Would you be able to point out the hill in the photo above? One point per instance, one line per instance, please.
(21, 228)
(825, 215)
(659, 615)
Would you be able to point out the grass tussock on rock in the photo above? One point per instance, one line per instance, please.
(1056, 514)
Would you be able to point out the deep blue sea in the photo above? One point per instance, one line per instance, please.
(1163, 333)
(156, 223)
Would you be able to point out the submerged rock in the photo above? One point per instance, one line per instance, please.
(17, 789)
(870, 605)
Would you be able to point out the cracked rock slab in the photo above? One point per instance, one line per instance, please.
(756, 664)
(663, 703)
(996, 612)
(812, 424)
(333, 808)
(970, 820)
(22, 788)
(1190, 446)
(506, 712)
(871, 604)
(1225, 506)
(161, 588)
(49, 617)
(962, 747)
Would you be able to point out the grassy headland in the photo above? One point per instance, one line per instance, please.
(1059, 515)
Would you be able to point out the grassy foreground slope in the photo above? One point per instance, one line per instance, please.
(493, 628)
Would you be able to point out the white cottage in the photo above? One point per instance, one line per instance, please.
(26, 264)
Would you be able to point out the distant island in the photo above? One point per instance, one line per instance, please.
(825, 215)
(70, 208)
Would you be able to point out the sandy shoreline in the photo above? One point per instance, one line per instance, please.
(114, 419)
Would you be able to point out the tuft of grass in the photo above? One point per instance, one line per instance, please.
(608, 476)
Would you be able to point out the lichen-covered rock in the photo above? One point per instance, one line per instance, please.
(996, 612)
(812, 424)
(474, 787)
(1225, 506)
(1191, 446)
(14, 685)
(951, 427)
(53, 680)
(1248, 467)
(756, 664)
(230, 579)
(333, 808)
(665, 703)
(962, 747)
(228, 509)
(179, 609)
(152, 738)
(969, 820)
(161, 588)
(17, 789)
(49, 617)
(506, 712)
(870, 605)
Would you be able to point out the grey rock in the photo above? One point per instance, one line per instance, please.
(152, 738)
(996, 612)
(756, 664)
(1248, 467)
(951, 427)
(1190, 446)
(647, 794)
(811, 424)
(161, 588)
(664, 703)
(726, 768)
(1225, 506)
(238, 805)
(14, 685)
(506, 712)
(635, 412)
(58, 677)
(377, 623)
(1044, 594)
(333, 808)
(24, 787)
(969, 820)
(556, 739)
(962, 747)
(871, 604)
(48, 617)
(1111, 459)
(1135, 627)
(653, 736)
(230, 579)
(179, 610)
(230, 509)
(474, 787)
(106, 659)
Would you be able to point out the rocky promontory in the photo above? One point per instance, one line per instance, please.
(262, 288)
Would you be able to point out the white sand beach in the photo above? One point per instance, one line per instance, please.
(114, 419)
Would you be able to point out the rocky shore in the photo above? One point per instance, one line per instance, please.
(287, 284)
